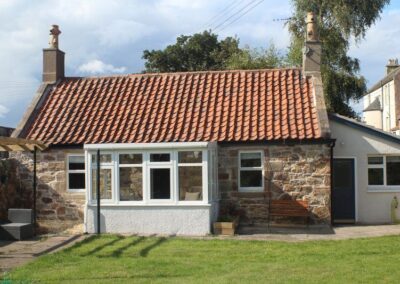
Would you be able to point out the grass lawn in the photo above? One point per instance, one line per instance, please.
(117, 259)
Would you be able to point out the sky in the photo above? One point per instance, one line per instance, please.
(103, 37)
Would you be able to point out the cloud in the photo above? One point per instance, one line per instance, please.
(96, 66)
(3, 111)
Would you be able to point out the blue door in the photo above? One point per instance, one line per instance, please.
(343, 191)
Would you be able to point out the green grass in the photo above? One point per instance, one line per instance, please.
(117, 259)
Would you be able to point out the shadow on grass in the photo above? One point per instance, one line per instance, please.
(119, 251)
(145, 251)
(100, 247)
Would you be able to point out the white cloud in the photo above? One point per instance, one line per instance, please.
(3, 111)
(96, 66)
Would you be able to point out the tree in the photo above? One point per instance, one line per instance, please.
(256, 58)
(339, 21)
(198, 52)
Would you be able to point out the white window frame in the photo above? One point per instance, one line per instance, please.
(160, 165)
(204, 170)
(76, 172)
(117, 176)
(261, 168)
(146, 150)
(384, 187)
(104, 165)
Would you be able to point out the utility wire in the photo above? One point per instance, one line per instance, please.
(241, 15)
(234, 14)
(222, 13)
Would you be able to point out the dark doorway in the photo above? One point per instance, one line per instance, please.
(343, 191)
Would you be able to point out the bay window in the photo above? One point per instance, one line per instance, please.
(384, 171)
(150, 177)
(130, 177)
(190, 175)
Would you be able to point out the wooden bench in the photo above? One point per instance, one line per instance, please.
(289, 208)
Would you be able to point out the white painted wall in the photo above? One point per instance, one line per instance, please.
(372, 204)
(160, 220)
(386, 97)
(374, 118)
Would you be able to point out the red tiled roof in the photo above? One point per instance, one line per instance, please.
(195, 106)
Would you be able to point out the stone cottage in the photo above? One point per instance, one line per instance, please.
(168, 151)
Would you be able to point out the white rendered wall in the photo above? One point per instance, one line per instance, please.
(162, 220)
(372, 204)
(386, 95)
(373, 118)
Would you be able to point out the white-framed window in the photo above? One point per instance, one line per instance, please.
(384, 171)
(140, 177)
(251, 171)
(130, 176)
(106, 176)
(76, 173)
(190, 175)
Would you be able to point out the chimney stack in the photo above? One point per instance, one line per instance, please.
(392, 64)
(53, 58)
(312, 46)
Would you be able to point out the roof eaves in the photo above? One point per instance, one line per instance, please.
(364, 127)
(389, 77)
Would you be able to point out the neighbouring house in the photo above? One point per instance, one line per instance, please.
(175, 149)
(382, 101)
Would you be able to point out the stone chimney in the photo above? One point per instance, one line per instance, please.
(312, 46)
(53, 58)
(392, 64)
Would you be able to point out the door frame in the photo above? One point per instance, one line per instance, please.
(354, 158)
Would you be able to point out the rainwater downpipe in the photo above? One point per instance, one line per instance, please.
(332, 145)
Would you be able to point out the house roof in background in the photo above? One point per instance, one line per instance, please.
(364, 127)
(375, 105)
(389, 77)
(252, 105)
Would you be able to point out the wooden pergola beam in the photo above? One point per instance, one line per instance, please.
(11, 144)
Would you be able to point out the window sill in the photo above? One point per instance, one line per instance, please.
(127, 204)
(385, 189)
(79, 191)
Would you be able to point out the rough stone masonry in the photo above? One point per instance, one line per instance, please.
(290, 172)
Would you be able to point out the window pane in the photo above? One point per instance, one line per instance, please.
(104, 158)
(375, 160)
(190, 183)
(250, 160)
(250, 178)
(190, 157)
(105, 183)
(76, 181)
(160, 157)
(393, 170)
(130, 158)
(160, 184)
(130, 184)
(76, 163)
(375, 176)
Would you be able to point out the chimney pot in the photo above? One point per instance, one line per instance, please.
(392, 64)
(312, 46)
(53, 58)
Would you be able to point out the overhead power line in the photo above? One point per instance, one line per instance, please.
(222, 13)
(233, 15)
(244, 12)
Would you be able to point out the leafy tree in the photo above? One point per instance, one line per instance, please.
(256, 58)
(339, 21)
(201, 51)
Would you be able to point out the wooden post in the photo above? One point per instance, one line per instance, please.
(34, 185)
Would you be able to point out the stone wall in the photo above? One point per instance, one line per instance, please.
(290, 172)
(57, 209)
